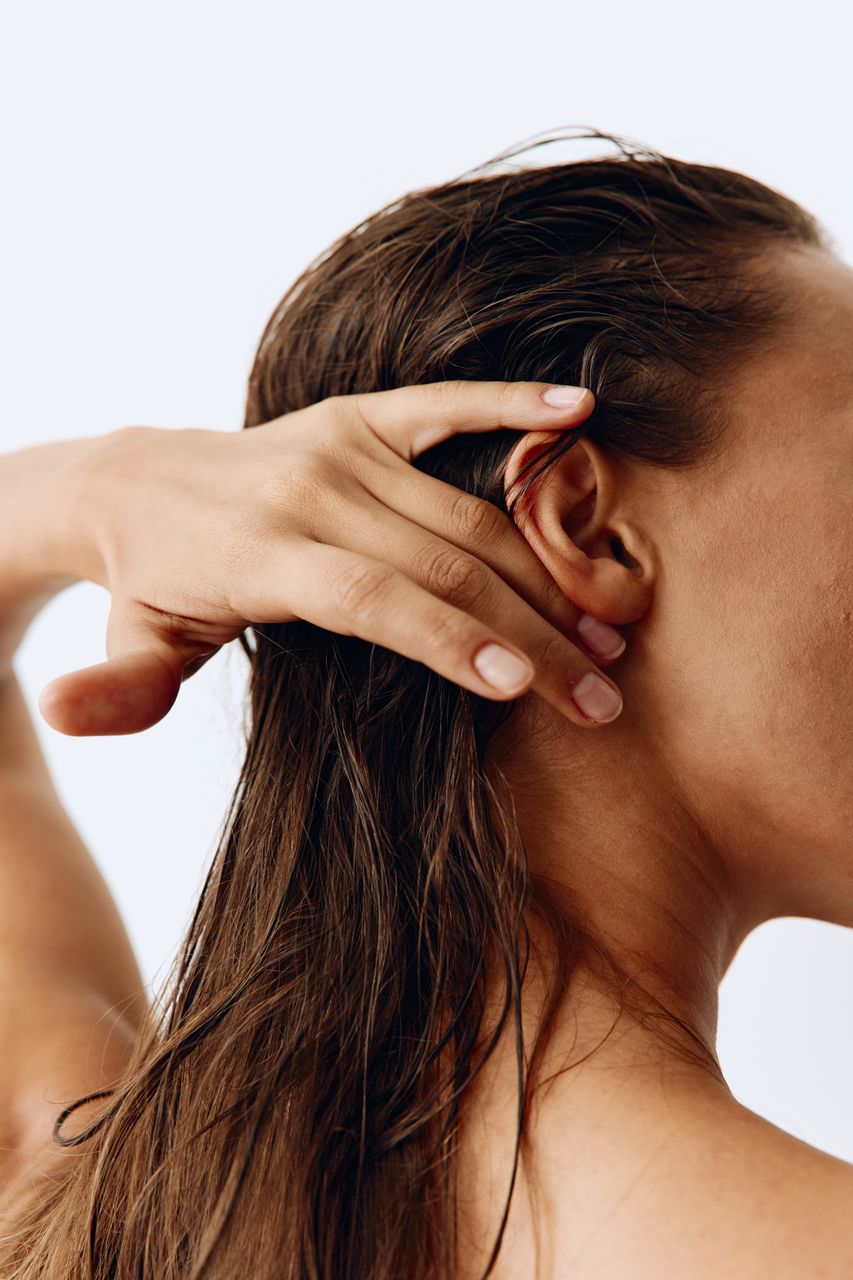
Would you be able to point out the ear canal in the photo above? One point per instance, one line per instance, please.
(623, 555)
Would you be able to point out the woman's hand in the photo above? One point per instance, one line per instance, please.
(317, 515)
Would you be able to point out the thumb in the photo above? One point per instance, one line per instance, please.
(132, 690)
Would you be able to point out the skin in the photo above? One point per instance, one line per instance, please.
(720, 798)
(673, 831)
(318, 515)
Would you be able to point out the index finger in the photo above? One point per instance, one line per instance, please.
(412, 419)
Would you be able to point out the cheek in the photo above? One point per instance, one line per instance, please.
(785, 609)
(753, 645)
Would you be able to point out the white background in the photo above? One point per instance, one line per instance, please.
(169, 167)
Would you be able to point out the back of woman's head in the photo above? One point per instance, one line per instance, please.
(294, 1112)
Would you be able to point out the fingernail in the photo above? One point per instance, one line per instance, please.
(599, 636)
(505, 670)
(564, 397)
(596, 698)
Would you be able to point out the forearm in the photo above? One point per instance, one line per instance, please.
(40, 535)
(66, 965)
(69, 980)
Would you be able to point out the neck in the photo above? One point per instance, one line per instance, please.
(616, 849)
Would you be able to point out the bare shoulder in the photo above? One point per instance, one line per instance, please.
(718, 1192)
(736, 1196)
(641, 1185)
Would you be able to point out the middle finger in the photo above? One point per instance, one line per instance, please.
(467, 582)
(483, 530)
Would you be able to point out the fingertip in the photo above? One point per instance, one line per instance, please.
(505, 671)
(124, 695)
(50, 707)
(567, 397)
(598, 700)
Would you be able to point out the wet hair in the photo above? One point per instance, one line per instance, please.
(293, 1106)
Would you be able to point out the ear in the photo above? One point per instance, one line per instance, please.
(576, 518)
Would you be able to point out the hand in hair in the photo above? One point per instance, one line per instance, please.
(317, 515)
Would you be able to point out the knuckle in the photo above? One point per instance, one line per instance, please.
(456, 577)
(354, 410)
(295, 492)
(340, 417)
(351, 427)
(337, 407)
(301, 485)
(359, 588)
(475, 519)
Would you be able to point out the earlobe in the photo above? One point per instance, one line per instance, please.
(573, 516)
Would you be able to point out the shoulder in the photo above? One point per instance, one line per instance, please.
(721, 1193)
(645, 1186)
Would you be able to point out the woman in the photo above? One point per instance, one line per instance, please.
(447, 1004)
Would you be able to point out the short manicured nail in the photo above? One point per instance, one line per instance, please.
(596, 698)
(563, 397)
(604, 640)
(505, 670)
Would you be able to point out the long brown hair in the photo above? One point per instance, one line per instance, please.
(292, 1107)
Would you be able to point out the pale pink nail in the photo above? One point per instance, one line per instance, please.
(502, 669)
(599, 636)
(596, 698)
(563, 397)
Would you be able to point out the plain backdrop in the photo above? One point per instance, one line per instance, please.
(169, 168)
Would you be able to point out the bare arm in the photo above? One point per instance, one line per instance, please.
(71, 993)
(197, 534)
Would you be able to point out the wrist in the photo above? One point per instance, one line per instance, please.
(42, 532)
